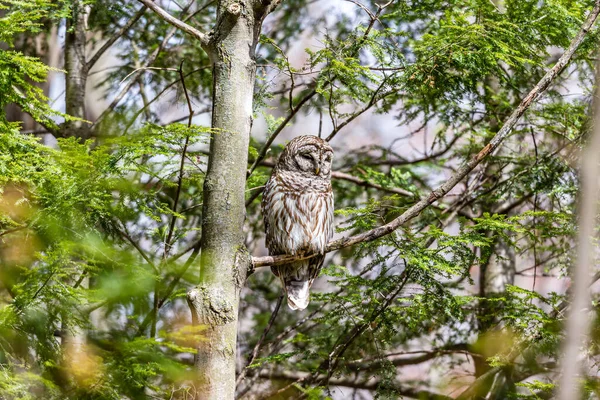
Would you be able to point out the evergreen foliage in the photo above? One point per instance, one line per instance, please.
(123, 211)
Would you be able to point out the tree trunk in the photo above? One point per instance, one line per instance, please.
(77, 73)
(224, 260)
(74, 337)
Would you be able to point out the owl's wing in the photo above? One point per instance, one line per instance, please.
(266, 206)
(314, 267)
(328, 230)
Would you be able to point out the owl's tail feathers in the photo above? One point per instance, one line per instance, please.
(296, 278)
(297, 294)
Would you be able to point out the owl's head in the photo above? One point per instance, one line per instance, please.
(307, 155)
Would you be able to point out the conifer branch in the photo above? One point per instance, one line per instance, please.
(467, 167)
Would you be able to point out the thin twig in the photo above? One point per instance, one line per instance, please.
(181, 165)
(179, 24)
(365, 183)
(145, 69)
(126, 236)
(149, 61)
(283, 124)
(371, 384)
(92, 61)
(168, 244)
(371, 103)
(8, 231)
(166, 88)
(170, 288)
(256, 349)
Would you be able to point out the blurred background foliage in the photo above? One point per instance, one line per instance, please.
(99, 234)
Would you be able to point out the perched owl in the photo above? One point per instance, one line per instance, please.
(297, 209)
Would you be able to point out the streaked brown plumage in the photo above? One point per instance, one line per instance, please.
(298, 213)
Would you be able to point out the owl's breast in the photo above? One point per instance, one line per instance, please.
(297, 222)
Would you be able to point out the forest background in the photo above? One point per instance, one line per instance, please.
(136, 138)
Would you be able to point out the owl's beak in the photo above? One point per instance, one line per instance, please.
(317, 170)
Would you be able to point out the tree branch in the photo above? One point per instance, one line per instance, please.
(202, 37)
(283, 124)
(148, 319)
(401, 359)
(364, 183)
(270, 6)
(417, 160)
(468, 166)
(126, 236)
(149, 61)
(256, 349)
(166, 88)
(374, 100)
(8, 231)
(168, 243)
(115, 37)
(365, 384)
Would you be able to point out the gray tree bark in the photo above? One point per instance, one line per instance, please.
(74, 337)
(225, 261)
(77, 72)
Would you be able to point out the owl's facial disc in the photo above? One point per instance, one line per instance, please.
(325, 163)
(313, 161)
(307, 160)
(307, 156)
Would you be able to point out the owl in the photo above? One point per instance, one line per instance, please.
(297, 209)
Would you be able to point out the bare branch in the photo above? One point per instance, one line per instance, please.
(468, 166)
(374, 99)
(276, 260)
(477, 387)
(429, 157)
(294, 111)
(135, 71)
(256, 349)
(8, 231)
(92, 61)
(269, 6)
(126, 236)
(401, 359)
(202, 37)
(162, 301)
(168, 244)
(361, 182)
(365, 384)
(158, 96)
(149, 61)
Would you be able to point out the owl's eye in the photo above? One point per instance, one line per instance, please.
(328, 159)
(306, 156)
